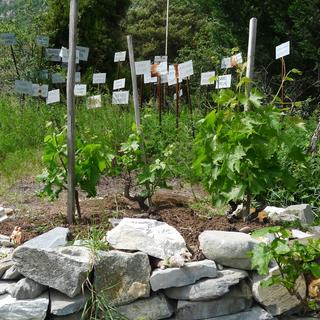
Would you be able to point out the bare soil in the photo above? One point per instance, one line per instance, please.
(36, 216)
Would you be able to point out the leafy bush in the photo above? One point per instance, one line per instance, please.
(237, 152)
(293, 259)
(90, 164)
(148, 175)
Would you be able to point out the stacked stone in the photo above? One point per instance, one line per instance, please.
(46, 279)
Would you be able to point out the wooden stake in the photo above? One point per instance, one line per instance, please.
(190, 107)
(134, 82)
(177, 95)
(159, 101)
(251, 51)
(71, 109)
(14, 61)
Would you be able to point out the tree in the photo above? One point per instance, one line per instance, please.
(297, 21)
(99, 28)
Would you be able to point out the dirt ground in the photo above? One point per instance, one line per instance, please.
(177, 207)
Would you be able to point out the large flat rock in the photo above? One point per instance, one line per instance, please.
(234, 302)
(256, 313)
(13, 309)
(26, 289)
(155, 238)
(64, 269)
(301, 212)
(62, 305)
(178, 277)
(227, 248)
(52, 239)
(122, 277)
(208, 289)
(153, 308)
(276, 299)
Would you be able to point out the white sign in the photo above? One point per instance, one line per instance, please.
(162, 68)
(148, 79)
(119, 84)
(94, 102)
(226, 63)
(205, 78)
(80, 90)
(58, 78)
(172, 76)
(64, 54)
(142, 67)
(83, 53)
(99, 78)
(175, 95)
(44, 74)
(23, 87)
(53, 54)
(53, 96)
(8, 39)
(42, 41)
(223, 82)
(120, 56)
(77, 77)
(39, 91)
(283, 50)
(159, 59)
(185, 69)
(120, 97)
(164, 78)
(236, 59)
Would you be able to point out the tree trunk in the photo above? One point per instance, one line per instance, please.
(78, 203)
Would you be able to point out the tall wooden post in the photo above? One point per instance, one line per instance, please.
(251, 50)
(71, 108)
(134, 82)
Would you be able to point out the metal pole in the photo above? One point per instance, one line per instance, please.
(71, 108)
(251, 50)
(167, 29)
(134, 82)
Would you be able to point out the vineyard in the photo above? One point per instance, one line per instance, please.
(159, 160)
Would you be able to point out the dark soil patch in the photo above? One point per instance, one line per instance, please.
(97, 212)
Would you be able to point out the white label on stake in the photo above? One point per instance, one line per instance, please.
(77, 77)
(164, 78)
(205, 78)
(223, 82)
(39, 91)
(83, 53)
(162, 68)
(172, 76)
(53, 54)
(8, 39)
(64, 54)
(175, 95)
(142, 67)
(94, 102)
(44, 74)
(99, 78)
(120, 97)
(148, 79)
(58, 78)
(119, 84)
(236, 59)
(80, 90)
(23, 87)
(283, 50)
(159, 59)
(120, 56)
(53, 96)
(185, 69)
(42, 41)
(226, 63)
